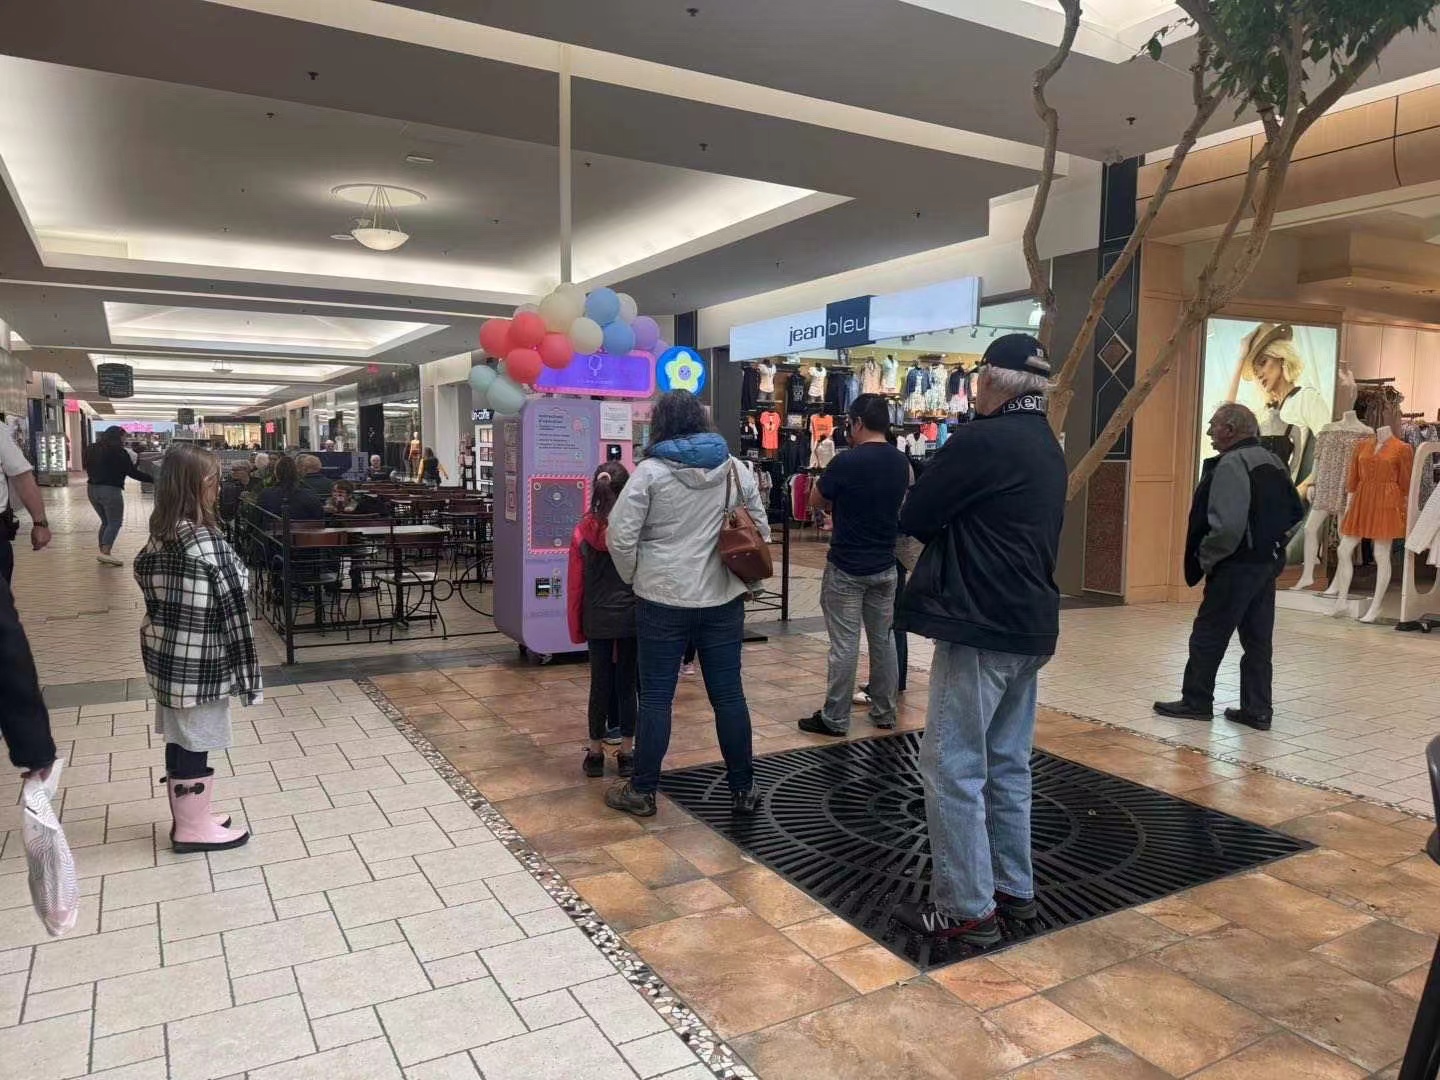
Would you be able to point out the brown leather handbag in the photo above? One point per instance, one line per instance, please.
(742, 549)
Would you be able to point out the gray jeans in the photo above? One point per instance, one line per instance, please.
(849, 602)
(109, 503)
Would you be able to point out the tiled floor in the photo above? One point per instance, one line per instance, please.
(374, 925)
(378, 927)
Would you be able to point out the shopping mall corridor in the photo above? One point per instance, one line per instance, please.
(433, 890)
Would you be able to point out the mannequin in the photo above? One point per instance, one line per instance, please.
(889, 375)
(1379, 484)
(823, 454)
(817, 383)
(1335, 447)
(1345, 389)
(767, 378)
(870, 377)
(412, 455)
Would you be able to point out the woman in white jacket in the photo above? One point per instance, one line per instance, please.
(662, 536)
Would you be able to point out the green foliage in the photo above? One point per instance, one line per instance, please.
(1252, 40)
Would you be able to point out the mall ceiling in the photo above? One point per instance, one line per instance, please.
(179, 155)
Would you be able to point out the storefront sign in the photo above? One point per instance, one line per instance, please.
(602, 375)
(861, 320)
(680, 368)
(482, 416)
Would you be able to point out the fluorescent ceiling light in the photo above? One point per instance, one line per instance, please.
(1113, 30)
(143, 386)
(257, 331)
(166, 365)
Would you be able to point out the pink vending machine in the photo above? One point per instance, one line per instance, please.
(544, 459)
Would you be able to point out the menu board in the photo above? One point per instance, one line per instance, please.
(115, 380)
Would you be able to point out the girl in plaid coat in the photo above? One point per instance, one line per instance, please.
(196, 641)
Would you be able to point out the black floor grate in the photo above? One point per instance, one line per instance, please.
(846, 823)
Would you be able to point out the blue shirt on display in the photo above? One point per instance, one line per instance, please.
(866, 484)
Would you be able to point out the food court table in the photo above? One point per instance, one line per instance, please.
(397, 562)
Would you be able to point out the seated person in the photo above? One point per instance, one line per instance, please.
(345, 500)
(304, 504)
(377, 468)
(308, 466)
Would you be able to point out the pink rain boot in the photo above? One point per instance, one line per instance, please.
(223, 820)
(195, 828)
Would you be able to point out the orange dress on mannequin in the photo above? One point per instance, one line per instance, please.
(1380, 483)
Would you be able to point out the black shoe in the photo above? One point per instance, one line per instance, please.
(924, 919)
(625, 798)
(744, 802)
(883, 725)
(1183, 710)
(1240, 716)
(1012, 907)
(594, 763)
(624, 764)
(815, 724)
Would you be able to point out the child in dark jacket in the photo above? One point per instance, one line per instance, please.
(601, 608)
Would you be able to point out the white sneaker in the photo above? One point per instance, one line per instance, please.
(109, 560)
(861, 698)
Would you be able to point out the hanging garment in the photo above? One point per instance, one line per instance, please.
(1380, 483)
(749, 436)
(795, 392)
(800, 496)
(1425, 534)
(821, 426)
(870, 378)
(1334, 450)
(749, 389)
(794, 452)
(889, 375)
(917, 380)
(767, 379)
(823, 454)
(770, 430)
(918, 445)
(816, 384)
(955, 384)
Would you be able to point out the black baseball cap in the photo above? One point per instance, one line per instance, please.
(1018, 352)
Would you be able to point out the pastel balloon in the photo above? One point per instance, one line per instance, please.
(481, 376)
(526, 331)
(523, 308)
(586, 335)
(647, 332)
(556, 351)
(603, 305)
(506, 398)
(479, 399)
(495, 336)
(662, 346)
(522, 365)
(628, 308)
(559, 310)
(619, 339)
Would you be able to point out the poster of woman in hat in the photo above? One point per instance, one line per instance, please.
(1285, 373)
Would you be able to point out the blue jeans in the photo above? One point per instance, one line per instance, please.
(716, 633)
(975, 762)
(109, 503)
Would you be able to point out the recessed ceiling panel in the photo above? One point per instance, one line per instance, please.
(256, 331)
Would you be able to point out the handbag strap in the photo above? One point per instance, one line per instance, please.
(729, 476)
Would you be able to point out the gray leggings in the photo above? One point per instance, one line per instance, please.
(109, 503)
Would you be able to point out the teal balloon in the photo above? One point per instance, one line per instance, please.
(481, 376)
(506, 398)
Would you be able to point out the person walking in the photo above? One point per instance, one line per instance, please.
(24, 720)
(863, 488)
(1244, 511)
(663, 535)
(107, 465)
(601, 608)
(196, 642)
(431, 470)
(18, 486)
(989, 509)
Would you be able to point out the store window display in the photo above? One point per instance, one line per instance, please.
(1293, 413)
(1335, 447)
(1379, 486)
(870, 377)
(890, 375)
(815, 384)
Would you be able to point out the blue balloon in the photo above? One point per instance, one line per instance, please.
(619, 338)
(506, 398)
(481, 376)
(603, 305)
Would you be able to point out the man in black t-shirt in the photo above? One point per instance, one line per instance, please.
(863, 487)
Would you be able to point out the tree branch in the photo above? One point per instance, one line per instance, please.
(1207, 100)
(1205, 22)
(1050, 118)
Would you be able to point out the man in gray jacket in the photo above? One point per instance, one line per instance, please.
(1243, 514)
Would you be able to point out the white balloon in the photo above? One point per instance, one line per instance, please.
(560, 309)
(586, 335)
(526, 307)
(628, 308)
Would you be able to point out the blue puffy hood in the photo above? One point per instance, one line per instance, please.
(704, 451)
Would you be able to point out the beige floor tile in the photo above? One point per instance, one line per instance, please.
(1099, 1059)
(372, 1060)
(215, 913)
(99, 956)
(441, 1022)
(378, 901)
(354, 980)
(462, 929)
(573, 1049)
(1067, 954)
(870, 967)
(234, 1040)
(1277, 909)
(1039, 1026)
(160, 996)
(1282, 1057)
(541, 964)
(50, 1049)
(1379, 952)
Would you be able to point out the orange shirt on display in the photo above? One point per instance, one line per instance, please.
(770, 430)
(821, 426)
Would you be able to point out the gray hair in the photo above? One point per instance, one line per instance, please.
(261, 460)
(1238, 419)
(307, 464)
(1013, 384)
(375, 459)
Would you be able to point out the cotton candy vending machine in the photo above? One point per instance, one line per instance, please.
(544, 461)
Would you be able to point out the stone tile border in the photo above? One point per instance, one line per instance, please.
(692, 1030)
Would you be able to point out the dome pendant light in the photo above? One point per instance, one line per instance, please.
(380, 229)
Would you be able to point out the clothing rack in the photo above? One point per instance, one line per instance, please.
(1418, 610)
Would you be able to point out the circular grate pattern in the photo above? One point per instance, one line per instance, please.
(846, 823)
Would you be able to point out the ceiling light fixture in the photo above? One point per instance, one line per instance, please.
(379, 229)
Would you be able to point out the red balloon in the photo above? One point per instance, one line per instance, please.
(556, 351)
(523, 365)
(526, 330)
(495, 336)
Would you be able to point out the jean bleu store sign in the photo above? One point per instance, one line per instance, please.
(861, 320)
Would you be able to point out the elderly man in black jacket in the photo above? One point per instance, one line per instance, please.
(989, 509)
(1243, 513)
(24, 721)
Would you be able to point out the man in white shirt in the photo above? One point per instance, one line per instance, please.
(19, 486)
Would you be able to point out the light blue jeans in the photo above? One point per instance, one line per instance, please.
(975, 763)
(109, 503)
